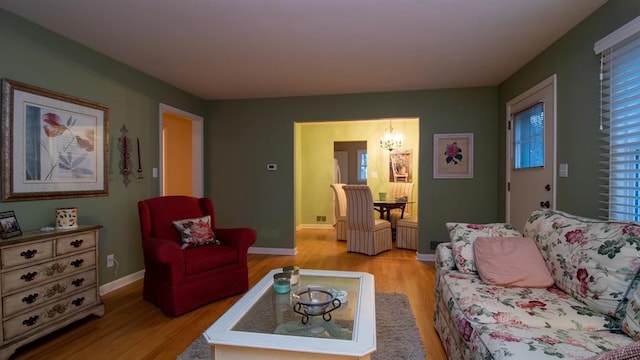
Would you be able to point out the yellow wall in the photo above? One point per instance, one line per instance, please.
(314, 170)
(177, 132)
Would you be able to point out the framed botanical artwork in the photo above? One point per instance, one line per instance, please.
(53, 145)
(401, 166)
(9, 225)
(453, 156)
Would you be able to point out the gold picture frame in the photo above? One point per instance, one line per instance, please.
(53, 145)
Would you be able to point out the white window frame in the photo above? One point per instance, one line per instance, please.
(620, 122)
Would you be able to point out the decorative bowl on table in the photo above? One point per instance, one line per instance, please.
(314, 300)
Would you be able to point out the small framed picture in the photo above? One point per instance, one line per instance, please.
(453, 156)
(9, 225)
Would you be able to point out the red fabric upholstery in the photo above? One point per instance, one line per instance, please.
(179, 280)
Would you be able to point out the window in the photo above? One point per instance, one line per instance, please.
(528, 142)
(620, 121)
(362, 165)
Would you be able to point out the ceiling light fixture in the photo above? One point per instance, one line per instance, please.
(389, 140)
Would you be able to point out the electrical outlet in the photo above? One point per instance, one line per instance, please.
(110, 260)
(318, 218)
(324, 218)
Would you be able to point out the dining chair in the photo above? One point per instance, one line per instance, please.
(407, 233)
(399, 190)
(366, 233)
(340, 211)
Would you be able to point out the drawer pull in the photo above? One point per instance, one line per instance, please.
(77, 263)
(77, 243)
(31, 321)
(78, 301)
(29, 276)
(29, 253)
(30, 299)
(77, 282)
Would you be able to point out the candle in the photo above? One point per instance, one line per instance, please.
(281, 283)
(139, 162)
(125, 155)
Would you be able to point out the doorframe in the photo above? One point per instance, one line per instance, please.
(553, 81)
(197, 125)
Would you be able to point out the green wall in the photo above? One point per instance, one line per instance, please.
(577, 68)
(41, 58)
(248, 134)
(242, 136)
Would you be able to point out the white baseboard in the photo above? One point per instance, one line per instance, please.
(126, 280)
(121, 282)
(272, 251)
(426, 257)
(315, 226)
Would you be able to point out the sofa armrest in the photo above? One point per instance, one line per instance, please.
(444, 257)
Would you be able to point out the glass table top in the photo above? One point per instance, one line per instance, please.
(274, 313)
(263, 324)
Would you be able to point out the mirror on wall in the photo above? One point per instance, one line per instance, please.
(350, 162)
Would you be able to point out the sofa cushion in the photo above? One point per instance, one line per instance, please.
(519, 307)
(627, 352)
(596, 262)
(463, 235)
(506, 342)
(196, 232)
(631, 321)
(511, 261)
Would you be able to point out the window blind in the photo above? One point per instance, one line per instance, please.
(620, 126)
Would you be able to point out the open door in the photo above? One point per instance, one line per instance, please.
(181, 152)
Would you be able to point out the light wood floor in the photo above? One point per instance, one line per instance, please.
(135, 329)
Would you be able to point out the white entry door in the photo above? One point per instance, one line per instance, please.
(531, 134)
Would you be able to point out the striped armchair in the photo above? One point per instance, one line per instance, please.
(366, 233)
(340, 211)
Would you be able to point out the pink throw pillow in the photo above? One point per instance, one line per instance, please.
(511, 261)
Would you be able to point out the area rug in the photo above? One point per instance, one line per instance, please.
(396, 332)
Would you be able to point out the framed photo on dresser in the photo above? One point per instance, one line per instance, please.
(9, 225)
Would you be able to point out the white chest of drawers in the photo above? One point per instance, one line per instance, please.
(47, 281)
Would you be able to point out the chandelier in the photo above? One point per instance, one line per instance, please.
(389, 140)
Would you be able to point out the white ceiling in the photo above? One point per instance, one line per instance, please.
(224, 49)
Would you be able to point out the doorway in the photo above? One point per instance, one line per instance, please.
(531, 145)
(181, 152)
(351, 160)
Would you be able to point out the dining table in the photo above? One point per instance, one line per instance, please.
(384, 207)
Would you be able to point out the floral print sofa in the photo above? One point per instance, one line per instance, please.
(592, 310)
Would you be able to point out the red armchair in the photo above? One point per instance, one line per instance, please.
(178, 280)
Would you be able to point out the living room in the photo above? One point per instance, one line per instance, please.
(261, 131)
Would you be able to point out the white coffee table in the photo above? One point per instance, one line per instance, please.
(263, 325)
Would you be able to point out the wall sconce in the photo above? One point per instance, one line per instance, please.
(126, 168)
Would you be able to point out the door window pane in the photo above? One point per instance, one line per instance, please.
(528, 142)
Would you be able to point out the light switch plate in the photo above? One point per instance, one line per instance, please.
(564, 170)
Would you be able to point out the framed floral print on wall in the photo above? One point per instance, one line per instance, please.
(453, 156)
(53, 145)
